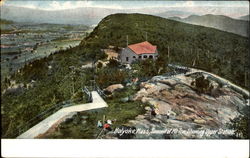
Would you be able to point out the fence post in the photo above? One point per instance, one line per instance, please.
(103, 120)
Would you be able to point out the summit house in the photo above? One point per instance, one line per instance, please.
(138, 51)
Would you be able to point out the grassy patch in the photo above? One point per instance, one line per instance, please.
(83, 125)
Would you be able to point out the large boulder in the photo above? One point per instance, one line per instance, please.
(114, 87)
(179, 105)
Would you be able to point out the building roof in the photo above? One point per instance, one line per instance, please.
(143, 48)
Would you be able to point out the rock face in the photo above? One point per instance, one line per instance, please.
(181, 108)
(114, 87)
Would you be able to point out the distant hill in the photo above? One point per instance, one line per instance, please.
(246, 17)
(6, 26)
(173, 13)
(83, 15)
(4, 21)
(220, 22)
(70, 16)
(222, 53)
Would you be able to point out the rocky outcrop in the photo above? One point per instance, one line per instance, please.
(183, 111)
(114, 87)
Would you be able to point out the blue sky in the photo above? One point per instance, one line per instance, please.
(61, 4)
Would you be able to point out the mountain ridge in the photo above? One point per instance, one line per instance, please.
(246, 17)
(48, 81)
(220, 22)
(182, 39)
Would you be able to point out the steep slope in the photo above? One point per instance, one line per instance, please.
(216, 51)
(44, 83)
(220, 22)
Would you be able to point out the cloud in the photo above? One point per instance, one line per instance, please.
(182, 4)
(18, 4)
(61, 5)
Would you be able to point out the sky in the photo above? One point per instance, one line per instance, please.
(61, 4)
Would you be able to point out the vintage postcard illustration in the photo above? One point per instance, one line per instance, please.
(125, 69)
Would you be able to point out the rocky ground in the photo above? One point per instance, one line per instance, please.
(183, 111)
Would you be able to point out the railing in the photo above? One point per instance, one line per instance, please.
(99, 91)
(88, 93)
(41, 116)
(20, 129)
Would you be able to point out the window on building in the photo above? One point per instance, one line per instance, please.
(144, 56)
(140, 57)
(127, 58)
(151, 56)
(134, 57)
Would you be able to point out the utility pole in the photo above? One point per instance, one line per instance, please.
(194, 61)
(198, 54)
(127, 40)
(168, 55)
(246, 76)
(191, 54)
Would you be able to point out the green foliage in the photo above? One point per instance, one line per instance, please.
(83, 125)
(241, 125)
(108, 76)
(215, 51)
(149, 67)
(113, 63)
(99, 65)
(51, 86)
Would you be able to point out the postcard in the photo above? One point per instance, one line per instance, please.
(125, 69)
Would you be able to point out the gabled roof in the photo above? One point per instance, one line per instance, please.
(143, 48)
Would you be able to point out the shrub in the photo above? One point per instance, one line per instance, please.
(113, 63)
(108, 76)
(203, 85)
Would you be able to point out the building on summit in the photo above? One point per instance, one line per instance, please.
(138, 51)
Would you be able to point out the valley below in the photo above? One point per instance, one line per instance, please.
(46, 65)
(22, 43)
